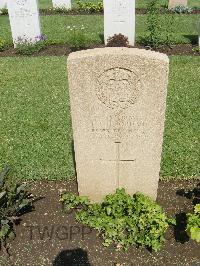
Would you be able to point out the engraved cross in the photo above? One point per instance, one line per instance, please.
(117, 160)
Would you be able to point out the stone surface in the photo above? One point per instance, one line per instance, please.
(62, 4)
(3, 4)
(119, 17)
(24, 20)
(118, 100)
(174, 3)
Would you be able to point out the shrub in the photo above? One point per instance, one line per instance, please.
(90, 7)
(118, 40)
(27, 47)
(77, 37)
(122, 219)
(160, 30)
(14, 201)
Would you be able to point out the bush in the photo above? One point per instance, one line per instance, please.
(90, 7)
(122, 219)
(27, 47)
(118, 40)
(14, 201)
(193, 224)
(160, 30)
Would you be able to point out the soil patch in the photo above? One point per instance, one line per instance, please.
(64, 50)
(48, 236)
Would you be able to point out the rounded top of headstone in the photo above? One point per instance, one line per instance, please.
(119, 51)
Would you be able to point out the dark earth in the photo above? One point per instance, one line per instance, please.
(61, 49)
(48, 236)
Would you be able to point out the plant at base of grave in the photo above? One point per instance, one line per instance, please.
(28, 47)
(193, 224)
(153, 24)
(90, 7)
(181, 9)
(122, 219)
(77, 37)
(14, 201)
(118, 40)
(61, 10)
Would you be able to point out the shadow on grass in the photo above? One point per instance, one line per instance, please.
(74, 257)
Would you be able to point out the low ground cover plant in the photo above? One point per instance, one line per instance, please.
(122, 219)
(3, 45)
(193, 224)
(14, 201)
(27, 47)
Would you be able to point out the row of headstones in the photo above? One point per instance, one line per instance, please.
(119, 17)
(56, 3)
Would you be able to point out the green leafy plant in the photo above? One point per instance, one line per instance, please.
(27, 47)
(3, 45)
(153, 25)
(181, 9)
(77, 37)
(193, 224)
(14, 201)
(122, 219)
(90, 7)
(118, 40)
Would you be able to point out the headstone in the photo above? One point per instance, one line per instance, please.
(119, 17)
(174, 3)
(62, 4)
(118, 98)
(24, 20)
(3, 4)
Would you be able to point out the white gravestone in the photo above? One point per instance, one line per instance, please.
(119, 17)
(24, 20)
(2, 4)
(62, 4)
(118, 110)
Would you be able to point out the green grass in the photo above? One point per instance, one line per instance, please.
(55, 27)
(139, 3)
(36, 134)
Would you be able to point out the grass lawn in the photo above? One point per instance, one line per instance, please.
(55, 27)
(139, 3)
(36, 134)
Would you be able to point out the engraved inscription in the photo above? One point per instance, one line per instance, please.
(114, 127)
(118, 88)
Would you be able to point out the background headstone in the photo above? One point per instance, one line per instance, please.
(118, 100)
(62, 4)
(119, 17)
(174, 3)
(3, 4)
(24, 20)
